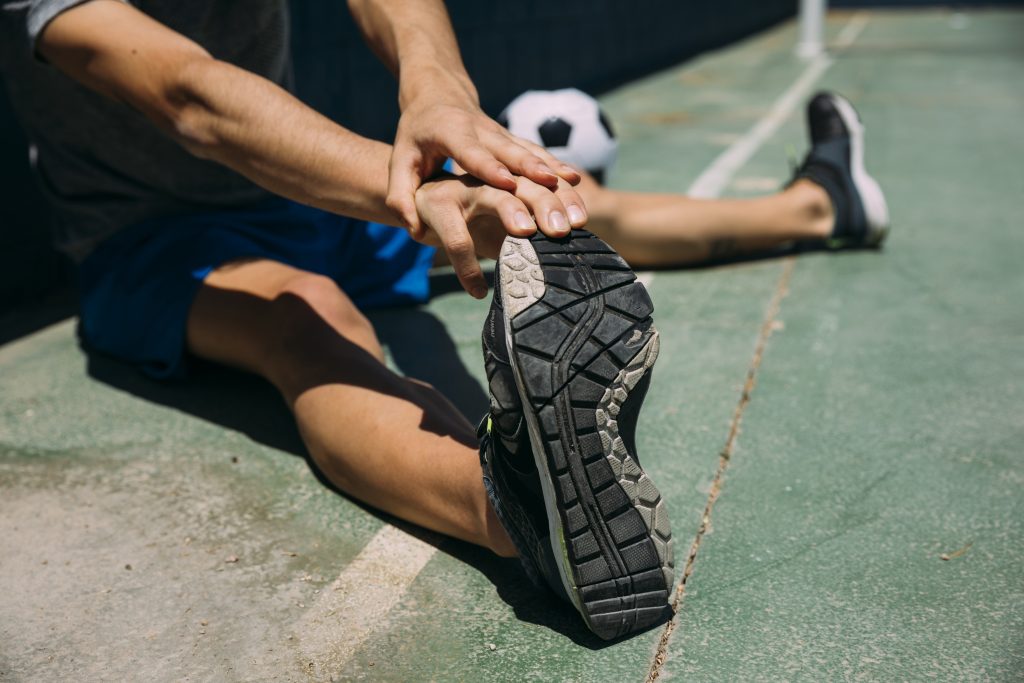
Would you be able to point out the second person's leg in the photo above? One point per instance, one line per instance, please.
(661, 230)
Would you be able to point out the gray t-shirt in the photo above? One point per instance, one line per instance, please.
(102, 165)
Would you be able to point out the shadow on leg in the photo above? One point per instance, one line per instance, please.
(421, 348)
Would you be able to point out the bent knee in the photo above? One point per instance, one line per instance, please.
(321, 295)
(311, 309)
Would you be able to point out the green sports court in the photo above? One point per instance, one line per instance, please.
(838, 435)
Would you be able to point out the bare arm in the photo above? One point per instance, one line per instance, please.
(218, 111)
(441, 115)
(416, 42)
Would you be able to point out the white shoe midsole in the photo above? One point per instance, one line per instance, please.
(875, 208)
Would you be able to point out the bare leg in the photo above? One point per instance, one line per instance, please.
(391, 442)
(651, 230)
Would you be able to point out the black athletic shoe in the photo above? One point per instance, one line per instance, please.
(836, 162)
(569, 346)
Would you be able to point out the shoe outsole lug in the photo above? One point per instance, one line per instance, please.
(575, 519)
(557, 455)
(580, 347)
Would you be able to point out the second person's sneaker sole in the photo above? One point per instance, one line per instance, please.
(582, 344)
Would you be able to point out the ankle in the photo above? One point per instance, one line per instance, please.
(814, 208)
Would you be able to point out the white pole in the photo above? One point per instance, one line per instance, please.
(812, 28)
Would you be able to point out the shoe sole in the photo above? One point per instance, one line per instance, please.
(876, 210)
(580, 338)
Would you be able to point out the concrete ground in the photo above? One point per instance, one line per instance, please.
(838, 434)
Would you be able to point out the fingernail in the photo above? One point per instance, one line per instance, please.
(558, 222)
(505, 173)
(547, 169)
(569, 169)
(523, 220)
(576, 214)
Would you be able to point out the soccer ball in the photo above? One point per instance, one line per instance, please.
(569, 123)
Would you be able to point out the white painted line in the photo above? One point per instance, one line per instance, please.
(852, 30)
(716, 177)
(356, 604)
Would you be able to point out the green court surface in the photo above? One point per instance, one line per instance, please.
(838, 435)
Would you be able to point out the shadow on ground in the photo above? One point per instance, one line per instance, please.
(419, 344)
(421, 348)
(533, 605)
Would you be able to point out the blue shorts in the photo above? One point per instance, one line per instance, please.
(137, 287)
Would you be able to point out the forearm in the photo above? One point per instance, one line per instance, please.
(218, 111)
(414, 38)
(253, 126)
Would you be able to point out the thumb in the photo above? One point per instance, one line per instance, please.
(405, 175)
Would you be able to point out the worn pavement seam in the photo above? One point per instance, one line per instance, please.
(724, 457)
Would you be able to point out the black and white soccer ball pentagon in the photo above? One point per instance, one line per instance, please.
(569, 123)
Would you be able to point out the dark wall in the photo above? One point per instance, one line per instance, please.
(508, 46)
(519, 45)
(961, 4)
(28, 266)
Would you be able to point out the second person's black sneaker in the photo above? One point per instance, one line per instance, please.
(569, 345)
(836, 163)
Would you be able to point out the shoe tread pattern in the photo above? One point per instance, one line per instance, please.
(580, 348)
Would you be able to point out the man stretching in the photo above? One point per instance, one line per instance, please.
(212, 214)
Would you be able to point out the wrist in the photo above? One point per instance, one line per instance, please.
(436, 85)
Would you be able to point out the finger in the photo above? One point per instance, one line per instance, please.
(404, 178)
(521, 159)
(575, 209)
(565, 171)
(458, 244)
(546, 206)
(478, 161)
(513, 213)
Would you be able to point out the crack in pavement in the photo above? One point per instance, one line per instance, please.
(767, 326)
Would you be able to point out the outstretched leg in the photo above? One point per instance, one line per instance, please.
(389, 441)
(833, 200)
(658, 230)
